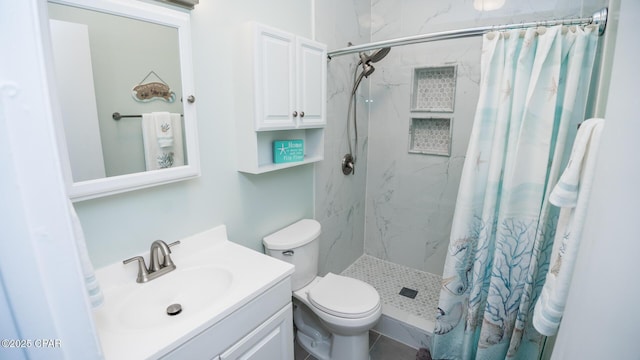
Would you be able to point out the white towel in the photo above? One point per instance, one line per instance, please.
(162, 149)
(572, 194)
(164, 128)
(90, 281)
(565, 193)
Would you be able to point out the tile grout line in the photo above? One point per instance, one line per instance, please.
(374, 341)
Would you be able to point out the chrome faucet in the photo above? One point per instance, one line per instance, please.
(160, 261)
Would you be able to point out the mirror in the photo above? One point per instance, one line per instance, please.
(125, 88)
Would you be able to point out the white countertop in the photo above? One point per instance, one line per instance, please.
(252, 273)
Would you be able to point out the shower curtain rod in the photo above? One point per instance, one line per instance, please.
(598, 18)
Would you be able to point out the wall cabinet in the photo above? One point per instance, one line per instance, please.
(290, 80)
(288, 75)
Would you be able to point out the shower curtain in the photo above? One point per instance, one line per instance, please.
(533, 94)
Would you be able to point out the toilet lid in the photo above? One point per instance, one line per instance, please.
(344, 297)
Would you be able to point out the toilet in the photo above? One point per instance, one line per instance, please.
(332, 314)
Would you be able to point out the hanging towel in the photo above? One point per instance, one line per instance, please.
(90, 281)
(164, 128)
(162, 149)
(572, 195)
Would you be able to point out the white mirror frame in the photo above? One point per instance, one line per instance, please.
(180, 20)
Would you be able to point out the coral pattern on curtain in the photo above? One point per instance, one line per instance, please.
(533, 93)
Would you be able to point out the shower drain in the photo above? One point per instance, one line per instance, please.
(410, 293)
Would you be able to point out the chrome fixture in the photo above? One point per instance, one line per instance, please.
(174, 309)
(160, 262)
(376, 56)
(367, 68)
(598, 18)
(117, 116)
(347, 164)
(349, 160)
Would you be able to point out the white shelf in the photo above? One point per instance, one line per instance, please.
(273, 167)
(259, 159)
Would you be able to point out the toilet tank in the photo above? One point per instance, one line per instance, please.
(297, 244)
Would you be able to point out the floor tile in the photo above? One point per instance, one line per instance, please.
(389, 279)
(373, 337)
(381, 348)
(389, 349)
(298, 352)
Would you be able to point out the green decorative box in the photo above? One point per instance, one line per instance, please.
(285, 151)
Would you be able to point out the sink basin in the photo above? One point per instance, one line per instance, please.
(213, 280)
(145, 305)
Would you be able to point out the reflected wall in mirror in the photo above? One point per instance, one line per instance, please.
(122, 52)
(102, 49)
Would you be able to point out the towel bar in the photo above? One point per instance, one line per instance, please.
(117, 116)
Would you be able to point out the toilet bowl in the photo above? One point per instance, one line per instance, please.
(332, 314)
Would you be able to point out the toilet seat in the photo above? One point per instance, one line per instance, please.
(344, 297)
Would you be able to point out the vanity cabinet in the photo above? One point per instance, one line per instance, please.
(271, 340)
(288, 75)
(260, 330)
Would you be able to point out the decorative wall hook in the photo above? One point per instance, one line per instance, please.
(145, 92)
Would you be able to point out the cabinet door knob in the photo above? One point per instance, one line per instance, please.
(301, 113)
(295, 114)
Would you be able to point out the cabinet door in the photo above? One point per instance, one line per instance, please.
(271, 340)
(274, 79)
(311, 74)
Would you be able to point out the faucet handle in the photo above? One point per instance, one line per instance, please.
(143, 273)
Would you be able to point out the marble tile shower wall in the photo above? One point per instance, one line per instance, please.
(411, 197)
(398, 206)
(339, 198)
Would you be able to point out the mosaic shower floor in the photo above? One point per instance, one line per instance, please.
(389, 279)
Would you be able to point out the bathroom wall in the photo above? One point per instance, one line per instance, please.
(410, 198)
(252, 206)
(339, 198)
(609, 246)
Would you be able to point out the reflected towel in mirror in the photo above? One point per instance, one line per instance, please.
(164, 128)
(162, 137)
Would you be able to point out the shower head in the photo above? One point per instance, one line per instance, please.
(367, 69)
(375, 57)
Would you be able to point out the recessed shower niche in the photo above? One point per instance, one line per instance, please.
(434, 89)
(430, 136)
